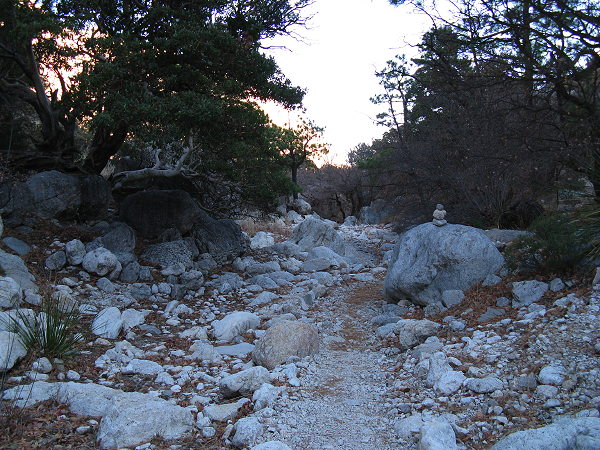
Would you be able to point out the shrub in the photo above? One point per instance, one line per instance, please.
(53, 332)
(555, 246)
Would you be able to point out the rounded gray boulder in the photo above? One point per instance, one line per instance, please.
(428, 260)
(284, 339)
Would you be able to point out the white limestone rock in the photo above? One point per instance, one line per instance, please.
(262, 239)
(11, 293)
(248, 431)
(234, 324)
(143, 367)
(265, 396)
(437, 435)
(428, 260)
(75, 251)
(11, 350)
(484, 385)
(581, 433)
(108, 323)
(244, 382)
(102, 262)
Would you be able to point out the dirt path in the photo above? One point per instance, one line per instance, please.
(342, 401)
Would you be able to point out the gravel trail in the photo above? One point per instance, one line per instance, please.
(341, 403)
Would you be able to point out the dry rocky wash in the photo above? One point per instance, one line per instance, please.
(295, 347)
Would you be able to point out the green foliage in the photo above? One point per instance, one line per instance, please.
(587, 224)
(556, 246)
(53, 332)
(154, 72)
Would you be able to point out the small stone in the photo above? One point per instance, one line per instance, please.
(484, 385)
(556, 285)
(553, 375)
(439, 215)
(73, 375)
(56, 261)
(42, 365)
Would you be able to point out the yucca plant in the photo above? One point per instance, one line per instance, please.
(53, 332)
(587, 224)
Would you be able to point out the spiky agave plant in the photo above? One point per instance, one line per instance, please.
(53, 332)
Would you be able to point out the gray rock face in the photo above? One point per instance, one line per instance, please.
(412, 332)
(437, 435)
(552, 374)
(56, 260)
(301, 206)
(101, 262)
(428, 260)
(285, 339)
(265, 396)
(234, 324)
(527, 292)
(452, 297)
(244, 382)
(14, 267)
(128, 418)
(581, 433)
(224, 412)
(152, 212)
(143, 367)
(262, 239)
(11, 350)
(11, 293)
(131, 272)
(379, 211)
(52, 194)
(131, 420)
(167, 254)
(108, 323)
(313, 233)
(248, 430)
(222, 239)
(16, 245)
(484, 385)
(75, 251)
(118, 238)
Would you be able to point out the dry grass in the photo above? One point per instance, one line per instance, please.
(280, 231)
(45, 425)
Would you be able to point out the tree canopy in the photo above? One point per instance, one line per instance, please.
(98, 77)
(501, 98)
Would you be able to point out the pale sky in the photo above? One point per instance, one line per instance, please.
(348, 40)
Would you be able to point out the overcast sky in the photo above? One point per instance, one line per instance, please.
(348, 40)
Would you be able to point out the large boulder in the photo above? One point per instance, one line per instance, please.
(428, 260)
(118, 237)
(152, 212)
(582, 433)
(12, 266)
(165, 254)
(284, 339)
(53, 194)
(313, 232)
(101, 262)
(222, 239)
